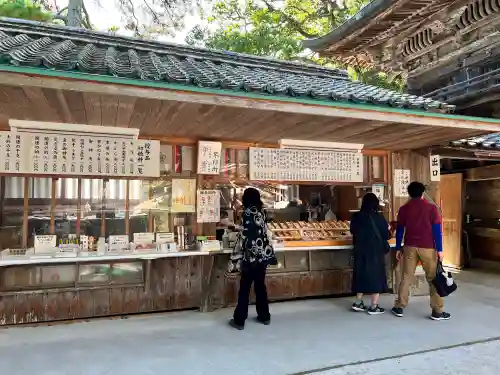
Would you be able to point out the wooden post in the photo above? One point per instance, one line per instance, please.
(25, 212)
(103, 204)
(79, 207)
(53, 206)
(150, 214)
(127, 208)
(2, 198)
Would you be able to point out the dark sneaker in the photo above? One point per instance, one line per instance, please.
(233, 324)
(359, 306)
(440, 316)
(398, 311)
(266, 322)
(375, 310)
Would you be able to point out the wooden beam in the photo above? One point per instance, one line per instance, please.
(451, 153)
(332, 110)
(68, 117)
(491, 172)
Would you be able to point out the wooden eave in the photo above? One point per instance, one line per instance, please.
(163, 111)
(376, 23)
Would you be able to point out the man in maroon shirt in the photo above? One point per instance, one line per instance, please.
(419, 223)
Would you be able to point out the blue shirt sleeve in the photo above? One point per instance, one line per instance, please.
(400, 232)
(438, 237)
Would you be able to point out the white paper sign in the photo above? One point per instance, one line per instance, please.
(208, 206)
(144, 238)
(165, 237)
(305, 165)
(118, 243)
(378, 190)
(435, 164)
(209, 157)
(45, 243)
(54, 154)
(401, 182)
(84, 242)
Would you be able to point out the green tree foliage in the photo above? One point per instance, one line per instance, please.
(275, 28)
(24, 9)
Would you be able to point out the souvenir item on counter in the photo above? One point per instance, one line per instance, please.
(309, 231)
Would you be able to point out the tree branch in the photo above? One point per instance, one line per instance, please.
(299, 27)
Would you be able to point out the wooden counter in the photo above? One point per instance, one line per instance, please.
(55, 289)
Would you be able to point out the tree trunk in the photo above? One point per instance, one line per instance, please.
(75, 10)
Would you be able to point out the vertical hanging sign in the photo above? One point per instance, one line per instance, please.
(378, 190)
(401, 182)
(208, 206)
(435, 164)
(209, 157)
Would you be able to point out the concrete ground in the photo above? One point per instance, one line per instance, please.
(306, 337)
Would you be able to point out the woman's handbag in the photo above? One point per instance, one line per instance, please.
(387, 248)
(443, 282)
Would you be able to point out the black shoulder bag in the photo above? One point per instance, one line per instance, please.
(385, 244)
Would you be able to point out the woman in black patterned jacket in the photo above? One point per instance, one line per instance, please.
(251, 256)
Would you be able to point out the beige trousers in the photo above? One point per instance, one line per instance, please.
(411, 256)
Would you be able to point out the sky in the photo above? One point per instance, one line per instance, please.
(104, 14)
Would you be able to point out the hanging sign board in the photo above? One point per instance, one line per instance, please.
(275, 164)
(209, 157)
(14, 151)
(40, 153)
(435, 165)
(208, 206)
(401, 182)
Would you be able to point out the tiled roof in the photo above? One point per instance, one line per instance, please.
(489, 141)
(39, 45)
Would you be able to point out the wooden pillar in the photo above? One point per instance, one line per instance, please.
(103, 207)
(53, 206)
(2, 198)
(127, 208)
(25, 212)
(79, 207)
(150, 213)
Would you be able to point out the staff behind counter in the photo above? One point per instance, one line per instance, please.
(297, 211)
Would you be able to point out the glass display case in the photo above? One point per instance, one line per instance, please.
(309, 231)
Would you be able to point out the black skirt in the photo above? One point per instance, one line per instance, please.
(369, 273)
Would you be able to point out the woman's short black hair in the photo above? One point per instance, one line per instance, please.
(416, 189)
(370, 203)
(251, 197)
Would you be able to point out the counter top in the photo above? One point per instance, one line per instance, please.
(58, 258)
(47, 259)
(14, 260)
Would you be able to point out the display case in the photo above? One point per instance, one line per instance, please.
(310, 231)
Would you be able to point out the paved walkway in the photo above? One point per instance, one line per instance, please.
(309, 337)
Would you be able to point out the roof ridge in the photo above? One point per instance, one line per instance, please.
(103, 38)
